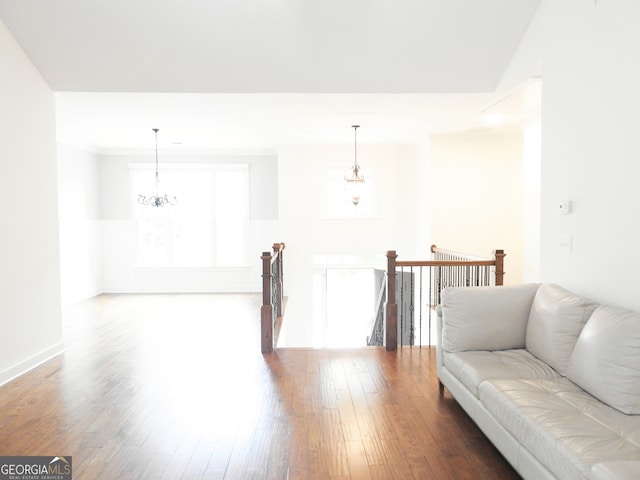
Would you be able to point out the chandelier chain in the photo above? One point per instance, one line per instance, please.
(156, 199)
(355, 144)
(356, 179)
(156, 131)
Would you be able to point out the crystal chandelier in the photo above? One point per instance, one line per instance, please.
(157, 200)
(356, 179)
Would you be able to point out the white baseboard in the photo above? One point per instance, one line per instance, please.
(29, 363)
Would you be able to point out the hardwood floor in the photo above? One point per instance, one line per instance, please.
(175, 387)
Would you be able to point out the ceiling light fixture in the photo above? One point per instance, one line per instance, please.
(157, 200)
(356, 179)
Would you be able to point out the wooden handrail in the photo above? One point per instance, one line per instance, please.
(498, 261)
(442, 251)
(272, 295)
(445, 263)
(391, 330)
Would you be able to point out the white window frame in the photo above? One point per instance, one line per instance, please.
(216, 262)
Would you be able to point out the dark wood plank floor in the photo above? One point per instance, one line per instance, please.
(174, 387)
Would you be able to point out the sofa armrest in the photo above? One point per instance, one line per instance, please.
(622, 470)
(486, 318)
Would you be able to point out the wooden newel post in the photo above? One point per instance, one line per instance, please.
(392, 307)
(500, 267)
(266, 312)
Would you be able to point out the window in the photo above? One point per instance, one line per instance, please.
(207, 226)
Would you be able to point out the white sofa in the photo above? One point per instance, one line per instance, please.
(552, 379)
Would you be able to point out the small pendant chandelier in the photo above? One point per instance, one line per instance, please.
(157, 200)
(356, 179)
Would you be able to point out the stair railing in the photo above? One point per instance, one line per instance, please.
(272, 296)
(446, 269)
(376, 328)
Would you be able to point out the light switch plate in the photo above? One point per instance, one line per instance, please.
(565, 243)
(564, 207)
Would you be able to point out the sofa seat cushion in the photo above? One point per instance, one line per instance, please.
(622, 470)
(561, 425)
(473, 368)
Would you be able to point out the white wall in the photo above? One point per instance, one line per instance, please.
(303, 213)
(590, 152)
(308, 232)
(476, 196)
(119, 273)
(80, 235)
(531, 164)
(30, 319)
(423, 183)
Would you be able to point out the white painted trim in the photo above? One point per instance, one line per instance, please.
(169, 151)
(29, 363)
(196, 166)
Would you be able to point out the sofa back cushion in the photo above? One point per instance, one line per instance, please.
(556, 319)
(606, 359)
(485, 318)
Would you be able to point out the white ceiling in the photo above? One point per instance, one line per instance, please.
(238, 74)
(105, 122)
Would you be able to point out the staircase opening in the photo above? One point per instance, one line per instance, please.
(350, 300)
